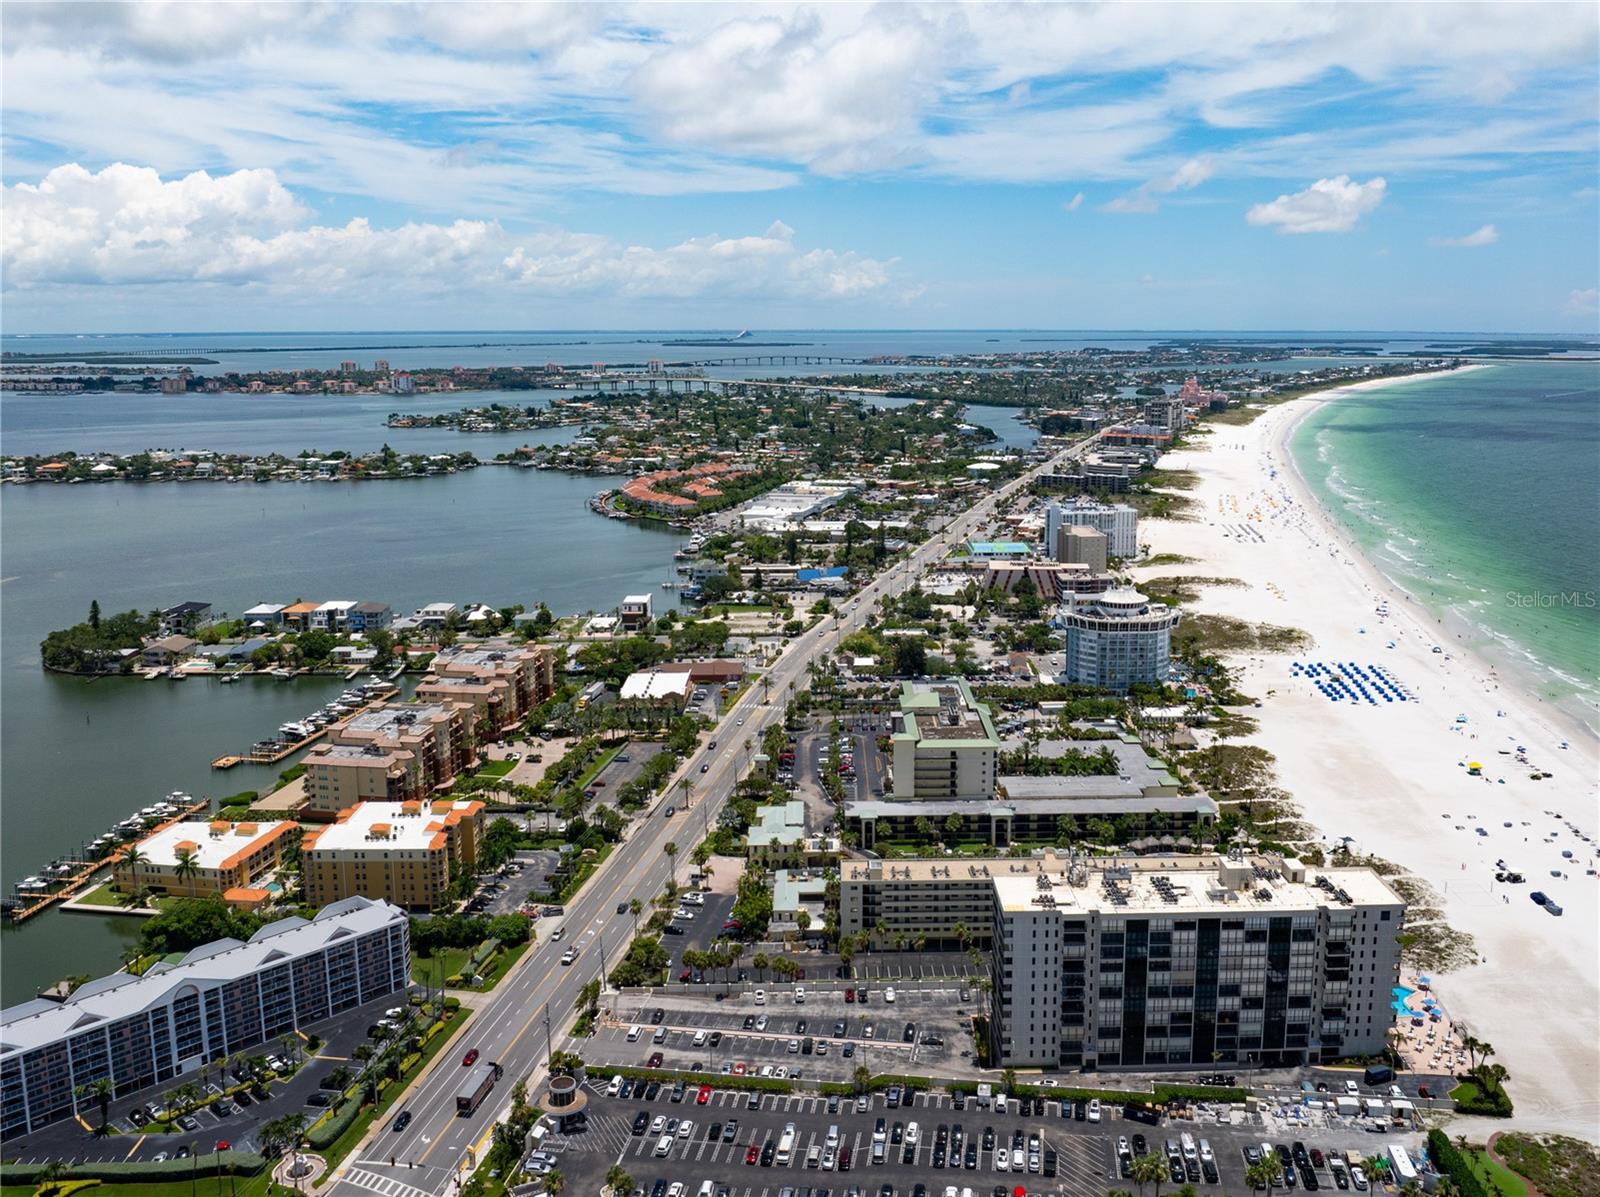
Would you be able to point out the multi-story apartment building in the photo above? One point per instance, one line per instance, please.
(1185, 962)
(1079, 544)
(223, 997)
(1118, 639)
(945, 744)
(502, 683)
(204, 858)
(408, 853)
(415, 748)
(1118, 521)
(340, 775)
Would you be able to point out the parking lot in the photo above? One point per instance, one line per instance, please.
(68, 1140)
(731, 1139)
(825, 1037)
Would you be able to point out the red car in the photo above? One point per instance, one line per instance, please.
(739, 1068)
(654, 1061)
(844, 1159)
(752, 1154)
(471, 1058)
(684, 975)
(850, 994)
(703, 1096)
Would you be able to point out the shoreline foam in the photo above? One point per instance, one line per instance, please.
(1396, 778)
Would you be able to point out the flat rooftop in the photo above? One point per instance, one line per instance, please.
(40, 1022)
(944, 712)
(212, 843)
(390, 826)
(1194, 883)
(395, 718)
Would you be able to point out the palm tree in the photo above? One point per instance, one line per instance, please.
(617, 1179)
(187, 869)
(759, 962)
(134, 857)
(671, 849)
(555, 1182)
(102, 1091)
(1146, 1169)
(635, 908)
(1263, 1174)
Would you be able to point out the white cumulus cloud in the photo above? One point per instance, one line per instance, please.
(1327, 206)
(1487, 235)
(126, 225)
(1584, 302)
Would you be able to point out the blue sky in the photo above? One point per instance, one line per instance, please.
(1086, 166)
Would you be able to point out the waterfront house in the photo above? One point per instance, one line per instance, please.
(183, 617)
(264, 615)
(435, 615)
(168, 651)
(370, 617)
(297, 616)
(333, 616)
(635, 612)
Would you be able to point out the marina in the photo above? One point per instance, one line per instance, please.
(302, 733)
(68, 875)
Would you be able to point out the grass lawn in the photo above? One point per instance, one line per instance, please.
(1492, 1173)
(101, 895)
(496, 768)
(432, 970)
(502, 965)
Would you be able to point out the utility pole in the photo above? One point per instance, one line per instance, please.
(549, 1042)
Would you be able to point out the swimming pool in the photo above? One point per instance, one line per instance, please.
(1401, 993)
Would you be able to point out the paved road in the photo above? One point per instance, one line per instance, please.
(510, 1027)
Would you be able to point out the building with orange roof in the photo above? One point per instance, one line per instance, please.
(297, 616)
(408, 853)
(193, 858)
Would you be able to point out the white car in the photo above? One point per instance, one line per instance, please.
(658, 1124)
(1094, 1109)
(699, 1039)
(615, 1087)
(761, 1023)
(686, 1128)
(761, 997)
(888, 995)
(1016, 1159)
(1002, 1159)
(569, 955)
(663, 1146)
(799, 995)
(912, 1131)
(1351, 1087)
(1358, 1178)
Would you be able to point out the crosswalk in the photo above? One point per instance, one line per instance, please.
(387, 1186)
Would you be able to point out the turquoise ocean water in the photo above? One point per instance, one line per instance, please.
(1479, 493)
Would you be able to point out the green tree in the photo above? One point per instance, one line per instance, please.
(618, 1179)
(102, 1090)
(1148, 1169)
(94, 614)
(187, 868)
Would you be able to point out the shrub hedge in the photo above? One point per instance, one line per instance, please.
(1447, 1158)
(322, 1135)
(177, 1171)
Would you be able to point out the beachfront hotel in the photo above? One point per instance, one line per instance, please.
(407, 853)
(1189, 961)
(218, 857)
(394, 752)
(1153, 962)
(221, 998)
(1118, 522)
(1118, 639)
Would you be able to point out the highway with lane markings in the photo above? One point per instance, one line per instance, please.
(438, 1147)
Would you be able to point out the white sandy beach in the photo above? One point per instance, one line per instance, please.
(1394, 776)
